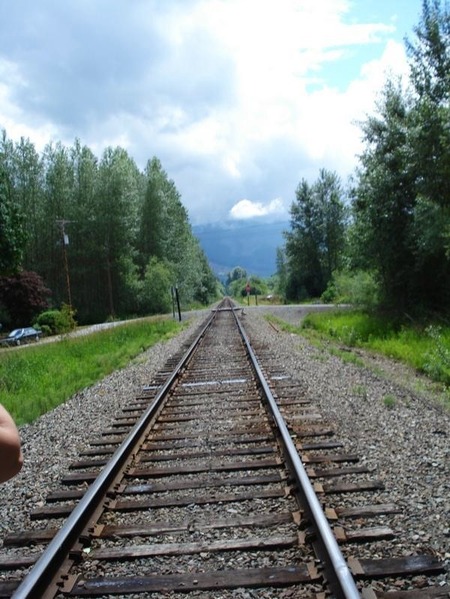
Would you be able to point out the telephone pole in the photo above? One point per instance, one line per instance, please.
(65, 239)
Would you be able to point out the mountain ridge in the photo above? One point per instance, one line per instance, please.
(251, 245)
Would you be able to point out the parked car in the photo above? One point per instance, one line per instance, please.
(19, 336)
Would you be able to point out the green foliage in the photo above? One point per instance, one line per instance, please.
(425, 349)
(57, 322)
(437, 358)
(92, 226)
(384, 199)
(350, 327)
(11, 237)
(401, 200)
(258, 286)
(150, 235)
(236, 287)
(429, 54)
(358, 288)
(236, 281)
(155, 292)
(207, 287)
(282, 273)
(238, 273)
(12, 232)
(315, 242)
(38, 379)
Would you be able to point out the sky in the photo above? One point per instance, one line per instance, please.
(239, 99)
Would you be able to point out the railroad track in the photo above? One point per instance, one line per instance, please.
(198, 488)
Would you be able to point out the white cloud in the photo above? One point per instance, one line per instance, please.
(231, 95)
(245, 209)
(277, 49)
(327, 122)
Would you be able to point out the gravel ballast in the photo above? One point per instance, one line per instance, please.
(405, 439)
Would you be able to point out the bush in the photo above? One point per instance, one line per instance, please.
(23, 296)
(56, 322)
(357, 288)
(155, 291)
(437, 358)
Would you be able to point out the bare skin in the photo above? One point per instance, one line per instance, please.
(11, 459)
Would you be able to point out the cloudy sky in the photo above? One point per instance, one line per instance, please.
(239, 99)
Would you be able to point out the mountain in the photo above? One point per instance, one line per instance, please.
(249, 244)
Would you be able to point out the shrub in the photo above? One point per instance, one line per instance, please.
(329, 296)
(23, 296)
(155, 292)
(437, 359)
(56, 322)
(358, 288)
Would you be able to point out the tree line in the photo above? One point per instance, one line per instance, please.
(103, 236)
(385, 238)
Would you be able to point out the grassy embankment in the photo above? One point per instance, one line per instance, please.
(37, 378)
(425, 348)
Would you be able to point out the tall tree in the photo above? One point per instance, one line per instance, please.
(150, 233)
(83, 247)
(314, 245)
(402, 199)
(430, 137)
(102, 221)
(165, 233)
(116, 228)
(206, 284)
(329, 195)
(282, 272)
(385, 197)
(55, 211)
(430, 67)
(12, 230)
(303, 246)
(28, 184)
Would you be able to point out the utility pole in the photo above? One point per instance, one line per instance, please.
(65, 239)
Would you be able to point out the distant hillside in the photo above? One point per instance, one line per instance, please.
(249, 244)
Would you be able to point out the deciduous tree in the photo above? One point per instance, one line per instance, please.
(315, 242)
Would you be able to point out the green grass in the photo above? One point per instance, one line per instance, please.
(352, 328)
(425, 348)
(389, 401)
(36, 379)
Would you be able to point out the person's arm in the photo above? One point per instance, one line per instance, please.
(10, 452)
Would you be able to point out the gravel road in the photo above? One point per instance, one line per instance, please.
(407, 442)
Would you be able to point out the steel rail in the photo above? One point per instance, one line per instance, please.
(37, 581)
(340, 577)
